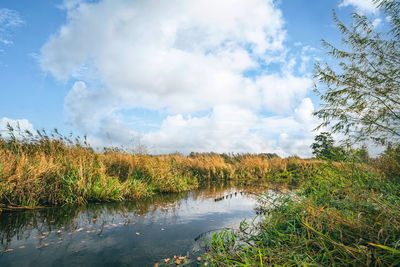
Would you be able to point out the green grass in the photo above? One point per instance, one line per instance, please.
(341, 215)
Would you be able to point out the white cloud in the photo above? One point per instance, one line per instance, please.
(376, 22)
(182, 58)
(20, 126)
(361, 5)
(224, 129)
(9, 19)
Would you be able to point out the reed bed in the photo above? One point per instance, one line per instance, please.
(51, 170)
(343, 215)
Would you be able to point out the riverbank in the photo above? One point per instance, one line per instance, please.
(344, 213)
(338, 217)
(56, 171)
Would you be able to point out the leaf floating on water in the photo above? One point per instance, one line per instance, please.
(121, 223)
(155, 264)
(211, 220)
(167, 260)
(94, 219)
(178, 262)
(78, 230)
(162, 229)
(38, 246)
(22, 247)
(46, 244)
(181, 258)
(59, 232)
(137, 233)
(46, 233)
(41, 237)
(8, 250)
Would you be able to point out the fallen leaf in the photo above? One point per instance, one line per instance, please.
(46, 244)
(181, 258)
(199, 258)
(41, 237)
(46, 233)
(22, 247)
(178, 262)
(78, 230)
(94, 219)
(8, 250)
(155, 264)
(206, 263)
(137, 233)
(59, 231)
(167, 260)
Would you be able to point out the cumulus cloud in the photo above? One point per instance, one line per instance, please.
(183, 58)
(20, 126)
(361, 5)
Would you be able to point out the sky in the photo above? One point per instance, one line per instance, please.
(229, 76)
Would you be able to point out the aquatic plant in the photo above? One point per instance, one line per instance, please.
(343, 215)
(51, 169)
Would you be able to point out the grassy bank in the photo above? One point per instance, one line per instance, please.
(340, 216)
(344, 213)
(55, 170)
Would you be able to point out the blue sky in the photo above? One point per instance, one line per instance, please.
(223, 76)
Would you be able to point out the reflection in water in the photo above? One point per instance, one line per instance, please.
(131, 233)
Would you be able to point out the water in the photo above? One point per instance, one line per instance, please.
(137, 233)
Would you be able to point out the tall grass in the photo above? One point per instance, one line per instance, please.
(51, 169)
(343, 215)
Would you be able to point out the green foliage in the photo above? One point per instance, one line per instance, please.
(362, 94)
(323, 148)
(343, 215)
(389, 162)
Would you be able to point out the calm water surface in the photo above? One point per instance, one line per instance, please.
(137, 233)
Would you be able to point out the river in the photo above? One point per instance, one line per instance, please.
(136, 233)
